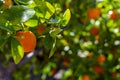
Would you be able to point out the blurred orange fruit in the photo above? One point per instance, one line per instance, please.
(114, 75)
(27, 39)
(40, 29)
(101, 58)
(89, 55)
(7, 4)
(94, 13)
(85, 77)
(70, 78)
(94, 31)
(66, 62)
(98, 69)
(113, 15)
(97, 38)
(53, 71)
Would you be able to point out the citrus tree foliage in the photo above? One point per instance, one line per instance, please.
(75, 39)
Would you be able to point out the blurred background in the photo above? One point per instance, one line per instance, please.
(87, 49)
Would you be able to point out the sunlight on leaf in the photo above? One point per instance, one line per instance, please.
(44, 10)
(66, 17)
(17, 51)
(31, 23)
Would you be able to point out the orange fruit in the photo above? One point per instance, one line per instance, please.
(66, 63)
(101, 58)
(70, 78)
(97, 38)
(40, 29)
(85, 77)
(27, 39)
(94, 13)
(67, 5)
(94, 31)
(113, 15)
(7, 4)
(53, 71)
(114, 75)
(98, 69)
(89, 55)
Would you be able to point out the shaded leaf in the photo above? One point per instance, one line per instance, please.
(53, 48)
(7, 28)
(3, 40)
(17, 50)
(48, 41)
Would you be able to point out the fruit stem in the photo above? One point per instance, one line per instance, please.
(23, 27)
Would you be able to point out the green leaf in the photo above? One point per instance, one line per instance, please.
(31, 23)
(17, 50)
(53, 48)
(48, 41)
(44, 9)
(54, 33)
(17, 14)
(50, 10)
(66, 17)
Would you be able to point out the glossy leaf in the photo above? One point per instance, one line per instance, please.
(31, 23)
(44, 9)
(17, 50)
(17, 14)
(66, 17)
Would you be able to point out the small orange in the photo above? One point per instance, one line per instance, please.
(98, 69)
(7, 4)
(94, 31)
(85, 77)
(94, 13)
(113, 15)
(101, 58)
(97, 38)
(40, 29)
(89, 55)
(70, 78)
(27, 39)
(66, 62)
(53, 71)
(114, 74)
